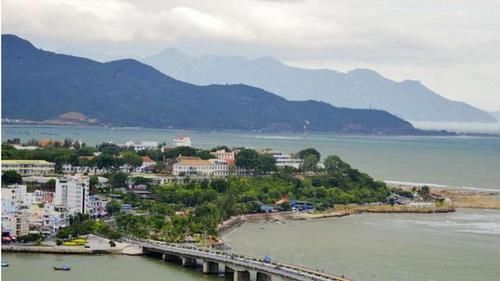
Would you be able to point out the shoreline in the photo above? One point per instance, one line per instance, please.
(461, 198)
(423, 133)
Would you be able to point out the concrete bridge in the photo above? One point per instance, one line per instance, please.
(240, 267)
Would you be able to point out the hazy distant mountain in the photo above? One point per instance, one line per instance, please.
(360, 88)
(41, 85)
(496, 114)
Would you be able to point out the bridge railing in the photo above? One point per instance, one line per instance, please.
(281, 269)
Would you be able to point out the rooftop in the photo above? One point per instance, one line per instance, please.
(26, 162)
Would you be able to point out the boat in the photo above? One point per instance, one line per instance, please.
(63, 268)
(5, 264)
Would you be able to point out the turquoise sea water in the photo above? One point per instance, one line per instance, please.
(457, 161)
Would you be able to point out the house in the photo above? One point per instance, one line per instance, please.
(97, 206)
(182, 141)
(283, 160)
(29, 167)
(148, 165)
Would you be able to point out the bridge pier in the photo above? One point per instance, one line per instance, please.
(167, 257)
(241, 276)
(210, 267)
(263, 277)
(188, 261)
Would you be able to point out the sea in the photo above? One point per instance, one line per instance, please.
(463, 161)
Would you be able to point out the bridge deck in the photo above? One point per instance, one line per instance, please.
(250, 263)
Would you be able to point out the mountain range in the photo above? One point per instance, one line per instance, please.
(42, 85)
(496, 114)
(359, 88)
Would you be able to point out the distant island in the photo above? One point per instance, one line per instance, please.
(39, 85)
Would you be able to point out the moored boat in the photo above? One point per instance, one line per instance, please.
(5, 264)
(64, 267)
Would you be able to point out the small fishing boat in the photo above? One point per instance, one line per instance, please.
(64, 267)
(5, 264)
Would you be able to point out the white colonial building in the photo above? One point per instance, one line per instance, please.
(29, 167)
(186, 166)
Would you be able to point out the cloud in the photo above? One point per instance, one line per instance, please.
(391, 36)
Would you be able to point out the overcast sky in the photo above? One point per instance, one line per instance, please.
(452, 46)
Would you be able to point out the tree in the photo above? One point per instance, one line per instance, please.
(11, 177)
(334, 164)
(205, 154)
(106, 161)
(118, 179)
(113, 207)
(309, 163)
(131, 159)
(307, 152)
(248, 158)
(267, 163)
(109, 148)
(93, 182)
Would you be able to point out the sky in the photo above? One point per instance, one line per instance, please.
(452, 46)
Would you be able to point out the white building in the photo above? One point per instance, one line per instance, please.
(182, 141)
(15, 216)
(70, 169)
(220, 168)
(29, 167)
(142, 145)
(283, 160)
(223, 155)
(192, 166)
(97, 206)
(73, 192)
(146, 166)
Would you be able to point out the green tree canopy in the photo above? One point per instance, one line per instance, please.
(118, 179)
(11, 177)
(309, 163)
(248, 158)
(307, 152)
(267, 163)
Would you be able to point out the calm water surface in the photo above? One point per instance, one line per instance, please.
(458, 246)
(458, 161)
(30, 267)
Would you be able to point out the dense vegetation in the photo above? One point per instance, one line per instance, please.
(196, 208)
(41, 85)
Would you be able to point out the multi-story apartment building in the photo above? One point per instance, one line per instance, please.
(29, 167)
(73, 192)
